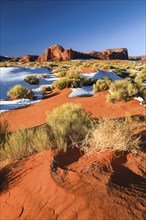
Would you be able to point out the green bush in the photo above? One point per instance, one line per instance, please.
(123, 90)
(102, 84)
(67, 126)
(20, 92)
(24, 143)
(31, 80)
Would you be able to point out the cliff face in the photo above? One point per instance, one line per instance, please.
(58, 53)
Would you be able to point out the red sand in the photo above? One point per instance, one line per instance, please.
(35, 115)
(96, 187)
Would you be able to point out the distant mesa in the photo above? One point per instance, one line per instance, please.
(58, 53)
(5, 58)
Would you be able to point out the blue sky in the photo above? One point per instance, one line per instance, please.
(30, 26)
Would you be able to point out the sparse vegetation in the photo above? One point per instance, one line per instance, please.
(31, 80)
(20, 92)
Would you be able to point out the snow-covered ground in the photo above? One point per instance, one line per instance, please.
(88, 90)
(10, 76)
(80, 92)
(101, 74)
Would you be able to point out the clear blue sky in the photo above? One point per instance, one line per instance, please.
(30, 26)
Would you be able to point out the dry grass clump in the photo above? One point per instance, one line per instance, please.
(68, 125)
(113, 135)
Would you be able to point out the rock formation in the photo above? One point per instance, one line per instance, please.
(114, 54)
(58, 53)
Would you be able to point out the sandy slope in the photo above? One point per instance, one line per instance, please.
(98, 187)
(35, 115)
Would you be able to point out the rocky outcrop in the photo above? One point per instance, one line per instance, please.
(54, 53)
(58, 53)
(95, 55)
(28, 58)
(115, 54)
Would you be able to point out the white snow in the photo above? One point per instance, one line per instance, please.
(88, 90)
(10, 76)
(101, 74)
(83, 91)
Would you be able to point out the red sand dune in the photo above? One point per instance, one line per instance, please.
(102, 186)
(35, 115)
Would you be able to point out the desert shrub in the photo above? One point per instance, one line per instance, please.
(123, 90)
(31, 80)
(105, 67)
(120, 72)
(45, 88)
(113, 135)
(3, 132)
(24, 143)
(102, 84)
(61, 73)
(67, 126)
(143, 95)
(20, 92)
(89, 82)
(67, 83)
(74, 75)
(132, 74)
(51, 64)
